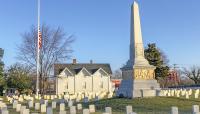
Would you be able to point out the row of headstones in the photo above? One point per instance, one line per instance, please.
(195, 110)
(181, 92)
(49, 110)
(23, 98)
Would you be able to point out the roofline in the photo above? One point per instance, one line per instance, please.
(85, 69)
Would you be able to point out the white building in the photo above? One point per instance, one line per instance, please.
(75, 78)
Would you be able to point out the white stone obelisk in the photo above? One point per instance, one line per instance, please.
(136, 43)
(138, 75)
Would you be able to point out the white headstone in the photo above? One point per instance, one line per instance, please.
(174, 110)
(5, 112)
(53, 104)
(92, 108)
(108, 110)
(43, 108)
(26, 111)
(70, 103)
(187, 96)
(79, 106)
(62, 107)
(86, 111)
(73, 110)
(18, 107)
(15, 104)
(30, 104)
(49, 110)
(129, 109)
(195, 108)
(62, 112)
(196, 95)
(37, 106)
(22, 109)
(46, 102)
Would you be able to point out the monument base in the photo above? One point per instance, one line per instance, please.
(138, 88)
(145, 88)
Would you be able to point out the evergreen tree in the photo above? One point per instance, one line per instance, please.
(157, 58)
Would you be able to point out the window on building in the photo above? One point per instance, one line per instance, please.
(101, 84)
(84, 85)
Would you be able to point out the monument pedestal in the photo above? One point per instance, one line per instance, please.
(138, 88)
(138, 81)
(145, 88)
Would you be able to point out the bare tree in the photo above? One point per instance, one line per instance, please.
(117, 74)
(56, 47)
(192, 73)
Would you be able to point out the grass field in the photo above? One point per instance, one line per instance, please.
(156, 105)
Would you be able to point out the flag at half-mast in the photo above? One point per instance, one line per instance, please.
(39, 39)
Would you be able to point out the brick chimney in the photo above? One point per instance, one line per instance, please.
(74, 61)
(91, 61)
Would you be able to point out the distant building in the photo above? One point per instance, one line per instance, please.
(76, 78)
(173, 78)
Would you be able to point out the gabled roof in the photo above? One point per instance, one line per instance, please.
(100, 69)
(84, 69)
(76, 68)
(66, 69)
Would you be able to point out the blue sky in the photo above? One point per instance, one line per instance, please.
(102, 27)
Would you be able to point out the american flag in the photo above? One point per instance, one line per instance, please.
(39, 39)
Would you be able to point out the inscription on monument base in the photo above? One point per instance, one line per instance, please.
(143, 74)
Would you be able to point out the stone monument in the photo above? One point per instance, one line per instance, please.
(138, 75)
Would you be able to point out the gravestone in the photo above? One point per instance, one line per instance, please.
(108, 110)
(92, 108)
(73, 110)
(129, 109)
(53, 104)
(49, 110)
(195, 108)
(86, 111)
(26, 111)
(18, 107)
(196, 95)
(43, 108)
(174, 110)
(15, 104)
(79, 106)
(22, 109)
(62, 107)
(46, 102)
(37, 106)
(5, 112)
(62, 112)
(70, 103)
(30, 104)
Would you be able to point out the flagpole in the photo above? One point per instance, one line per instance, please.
(38, 51)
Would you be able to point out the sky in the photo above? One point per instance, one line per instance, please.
(102, 27)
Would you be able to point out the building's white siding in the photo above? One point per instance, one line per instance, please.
(83, 82)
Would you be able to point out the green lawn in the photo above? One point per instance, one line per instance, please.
(156, 105)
